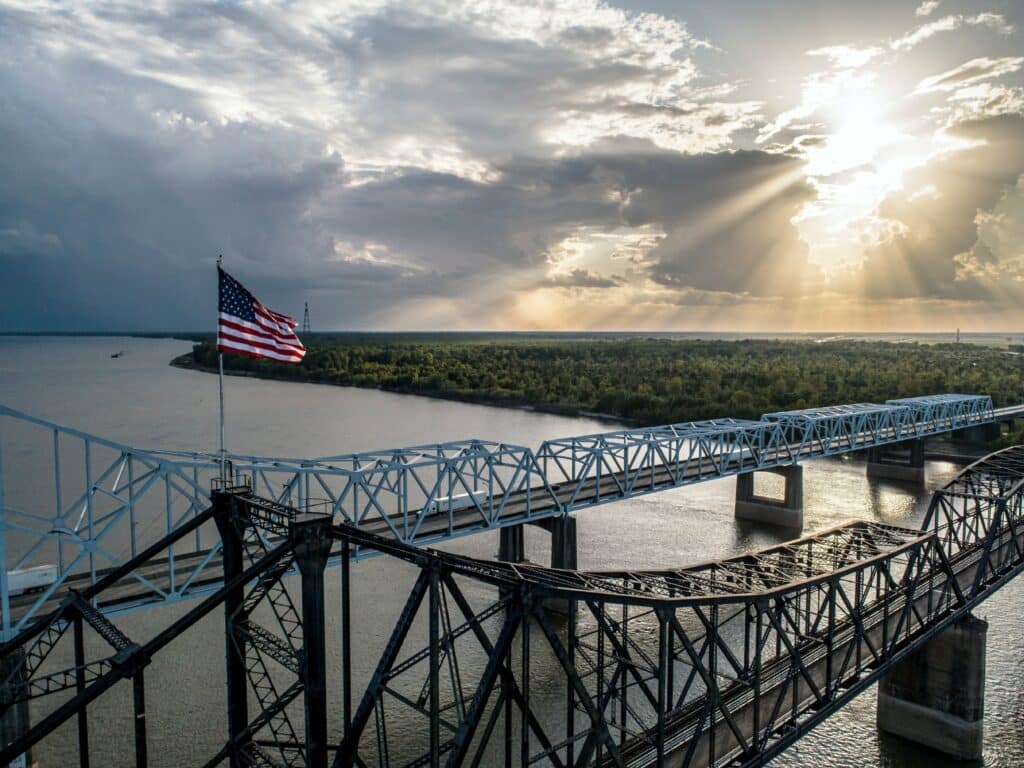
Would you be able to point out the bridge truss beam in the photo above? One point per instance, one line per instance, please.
(721, 663)
(105, 502)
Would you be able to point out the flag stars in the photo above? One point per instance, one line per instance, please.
(248, 328)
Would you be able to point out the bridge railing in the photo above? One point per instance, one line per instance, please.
(80, 504)
(596, 468)
(693, 666)
(75, 505)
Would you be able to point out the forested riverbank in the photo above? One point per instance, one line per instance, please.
(638, 380)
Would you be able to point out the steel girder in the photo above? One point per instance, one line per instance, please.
(100, 503)
(87, 504)
(951, 411)
(724, 663)
(272, 646)
(595, 469)
(842, 428)
(721, 663)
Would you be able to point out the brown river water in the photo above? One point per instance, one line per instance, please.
(139, 399)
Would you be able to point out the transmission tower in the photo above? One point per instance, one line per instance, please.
(305, 320)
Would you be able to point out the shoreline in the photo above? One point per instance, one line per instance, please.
(187, 362)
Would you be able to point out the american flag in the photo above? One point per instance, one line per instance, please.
(248, 328)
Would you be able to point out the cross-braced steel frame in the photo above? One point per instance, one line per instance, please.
(88, 505)
(721, 663)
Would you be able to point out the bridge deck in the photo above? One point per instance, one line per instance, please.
(403, 493)
(769, 642)
(438, 526)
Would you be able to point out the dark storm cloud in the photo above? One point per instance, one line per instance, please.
(726, 215)
(727, 219)
(581, 278)
(127, 219)
(366, 156)
(106, 216)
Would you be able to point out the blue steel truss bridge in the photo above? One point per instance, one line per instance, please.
(721, 663)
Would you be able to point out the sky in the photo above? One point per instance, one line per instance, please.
(577, 165)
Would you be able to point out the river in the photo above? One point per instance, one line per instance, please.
(139, 399)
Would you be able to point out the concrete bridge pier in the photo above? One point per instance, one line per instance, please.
(787, 511)
(563, 554)
(511, 544)
(981, 434)
(936, 696)
(511, 549)
(14, 720)
(889, 463)
(563, 541)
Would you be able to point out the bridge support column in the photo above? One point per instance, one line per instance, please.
(563, 542)
(312, 547)
(787, 511)
(884, 464)
(980, 434)
(235, 617)
(936, 696)
(511, 549)
(15, 719)
(511, 544)
(563, 555)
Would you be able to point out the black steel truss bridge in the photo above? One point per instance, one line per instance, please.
(724, 663)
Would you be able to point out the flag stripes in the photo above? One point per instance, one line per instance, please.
(246, 327)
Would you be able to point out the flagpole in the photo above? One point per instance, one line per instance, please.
(223, 453)
(220, 355)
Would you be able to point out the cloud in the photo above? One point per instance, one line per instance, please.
(685, 214)
(985, 100)
(973, 71)
(369, 152)
(727, 221)
(433, 164)
(939, 251)
(582, 278)
(115, 200)
(357, 75)
(819, 90)
(926, 8)
(993, 21)
(846, 55)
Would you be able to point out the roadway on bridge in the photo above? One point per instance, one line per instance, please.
(971, 543)
(519, 507)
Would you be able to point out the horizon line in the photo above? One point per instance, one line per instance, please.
(585, 332)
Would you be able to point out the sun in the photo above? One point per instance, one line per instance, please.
(860, 157)
(858, 133)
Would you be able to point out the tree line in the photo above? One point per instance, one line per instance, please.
(644, 381)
